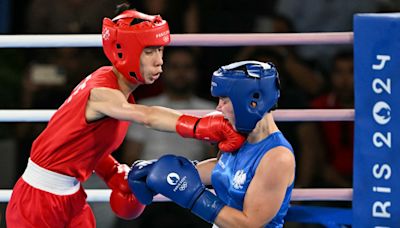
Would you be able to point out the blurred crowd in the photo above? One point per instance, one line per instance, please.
(319, 76)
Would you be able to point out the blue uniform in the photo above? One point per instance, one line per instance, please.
(233, 173)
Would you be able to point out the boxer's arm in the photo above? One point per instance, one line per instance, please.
(205, 168)
(265, 194)
(112, 103)
(213, 128)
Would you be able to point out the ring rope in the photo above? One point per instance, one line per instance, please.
(302, 194)
(206, 40)
(32, 115)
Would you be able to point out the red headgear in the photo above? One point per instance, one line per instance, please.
(123, 43)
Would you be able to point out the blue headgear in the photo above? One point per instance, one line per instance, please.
(253, 88)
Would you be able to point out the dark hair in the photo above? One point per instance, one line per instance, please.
(127, 6)
(122, 7)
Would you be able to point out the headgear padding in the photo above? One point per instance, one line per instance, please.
(253, 88)
(123, 42)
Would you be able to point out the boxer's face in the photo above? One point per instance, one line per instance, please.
(343, 79)
(151, 61)
(225, 106)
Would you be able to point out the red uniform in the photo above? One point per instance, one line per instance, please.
(338, 137)
(70, 146)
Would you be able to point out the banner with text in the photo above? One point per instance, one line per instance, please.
(376, 196)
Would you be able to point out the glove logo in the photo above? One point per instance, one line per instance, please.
(173, 179)
(183, 186)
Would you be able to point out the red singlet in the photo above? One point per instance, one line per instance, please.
(71, 146)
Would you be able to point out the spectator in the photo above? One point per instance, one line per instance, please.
(323, 16)
(318, 16)
(338, 136)
(299, 73)
(67, 17)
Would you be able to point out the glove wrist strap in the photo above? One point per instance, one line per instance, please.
(207, 206)
(186, 126)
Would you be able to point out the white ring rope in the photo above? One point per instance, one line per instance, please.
(220, 40)
(31, 115)
(314, 194)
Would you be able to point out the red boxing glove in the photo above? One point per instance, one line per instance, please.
(213, 128)
(122, 201)
(125, 206)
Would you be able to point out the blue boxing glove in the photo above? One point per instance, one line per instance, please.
(176, 178)
(137, 181)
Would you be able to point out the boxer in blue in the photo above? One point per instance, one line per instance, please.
(253, 185)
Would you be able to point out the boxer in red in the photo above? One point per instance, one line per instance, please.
(92, 123)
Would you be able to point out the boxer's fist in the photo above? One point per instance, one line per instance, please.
(122, 201)
(125, 205)
(213, 128)
(177, 178)
(137, 181)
